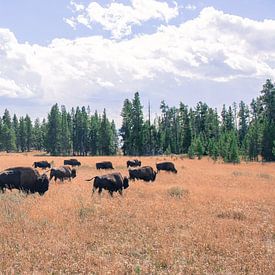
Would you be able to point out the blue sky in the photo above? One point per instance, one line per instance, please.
(42, 21)
(99, 52)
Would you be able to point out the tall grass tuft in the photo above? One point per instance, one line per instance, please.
(177, 192)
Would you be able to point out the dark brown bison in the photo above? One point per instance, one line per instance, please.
(145, 173)
(72, 162)
(166, 166)
(133, 163)
(112, 182)
(41, 164)
(104, 165)
(63, 172)
(25, 179)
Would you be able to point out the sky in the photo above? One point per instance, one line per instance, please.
(98, 53)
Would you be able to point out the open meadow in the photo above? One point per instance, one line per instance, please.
(209, 218)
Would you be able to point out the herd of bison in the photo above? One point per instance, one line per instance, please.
(29, 180)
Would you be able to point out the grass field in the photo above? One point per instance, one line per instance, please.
(207, 219)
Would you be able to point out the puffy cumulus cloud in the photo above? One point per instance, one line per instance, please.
(17, 79)
(212, 48)
(119, 18)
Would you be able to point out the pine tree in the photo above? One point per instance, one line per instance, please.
(22, 134)
(126, 128)
(212, 130)
(15, 126)
(66, 143)
(223, 119)
(191, 150)
(28, 124)
(85, 131)
(114, 139)
(137, 122)
(252, 142)
(44, 132)
(185, 129)
(38, 141)
(228, 147)
(54, 131)
(77, 132)
(199, 148)
(213, 151)
(233, 149)
(147, 138)
(267, 100)
(229, 120)
(105, 136)
(8, 134)
(243, 121)
(94, 134)
(165, 127)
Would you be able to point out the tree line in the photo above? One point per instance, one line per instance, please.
(63, 133)
(239, 131)
(242, 130)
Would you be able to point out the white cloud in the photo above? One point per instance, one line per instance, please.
(190, 7)
(214, 47)
(76, 7)
(8, 88)
(71, 22)
(119, 18)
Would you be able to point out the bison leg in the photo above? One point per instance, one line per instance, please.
(99, 191)
(111, 193)
(120, 192)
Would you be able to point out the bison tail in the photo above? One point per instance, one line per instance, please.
(91, 178)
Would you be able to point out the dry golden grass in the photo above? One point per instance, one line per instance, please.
(207, 219)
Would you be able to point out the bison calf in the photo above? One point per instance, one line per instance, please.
(112, 182)
(63, 172)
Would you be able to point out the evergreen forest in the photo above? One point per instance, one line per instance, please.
(238, 132)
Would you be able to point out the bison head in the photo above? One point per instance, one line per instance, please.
(73, 173)
(42, 184)
(125, 182)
